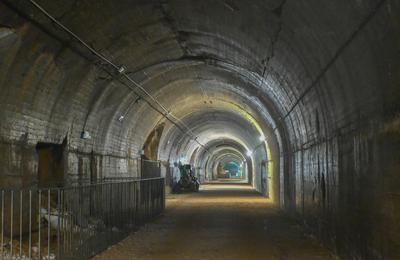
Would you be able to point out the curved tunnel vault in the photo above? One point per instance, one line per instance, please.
(305, 93)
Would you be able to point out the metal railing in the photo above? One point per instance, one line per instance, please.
(75, 222)
(150, 169)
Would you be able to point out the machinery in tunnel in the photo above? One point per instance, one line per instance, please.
(232, 170)
(229, 166)
(187, 180)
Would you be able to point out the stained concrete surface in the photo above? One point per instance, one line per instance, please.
(219, 222)
(319, 78)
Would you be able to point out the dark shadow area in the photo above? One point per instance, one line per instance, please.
(51, 165)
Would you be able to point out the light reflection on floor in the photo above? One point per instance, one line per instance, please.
(219, 222)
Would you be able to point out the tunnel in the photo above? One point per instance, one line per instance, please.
(304, 96)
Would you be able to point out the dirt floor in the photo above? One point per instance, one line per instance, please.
(219, 222)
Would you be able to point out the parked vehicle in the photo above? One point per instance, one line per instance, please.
(187, 181)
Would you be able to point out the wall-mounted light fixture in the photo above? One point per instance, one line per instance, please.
(85, 135)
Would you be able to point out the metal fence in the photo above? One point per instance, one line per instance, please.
(75, 222)
(150, 169)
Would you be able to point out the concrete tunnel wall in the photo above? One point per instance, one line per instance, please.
(214, 125)
(320, 79)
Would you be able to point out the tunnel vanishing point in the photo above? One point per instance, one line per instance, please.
(302, 95)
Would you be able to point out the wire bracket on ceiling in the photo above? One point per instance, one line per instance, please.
(122, 70)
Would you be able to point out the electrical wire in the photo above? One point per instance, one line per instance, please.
(122, 70)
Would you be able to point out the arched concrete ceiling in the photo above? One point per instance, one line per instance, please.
(230, 158)
(220, 147)
(276, 49)
(208, 125)
(313, 76)
(200, 90)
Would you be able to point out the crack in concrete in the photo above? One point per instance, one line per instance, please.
(170, 22)
(275, 38)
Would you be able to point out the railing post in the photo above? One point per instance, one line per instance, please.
(2, 224)
(20, 222)
(11, 222)
(39, 224)
(30, 225)
(59, 224)
(48, 223)
(163, 195)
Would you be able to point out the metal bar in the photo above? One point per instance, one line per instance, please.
(11, 222)
(79, 219)
(58, 223)
(20, 221)
(39, 223)
(119, 202)
(30, 225)
(63, 223)
(2, 224)
(128, 210)
(163, 195)
(69, 228)
(66, 227)
(48, 223)
(109, 197)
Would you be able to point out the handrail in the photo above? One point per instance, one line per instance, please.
(105, 181)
